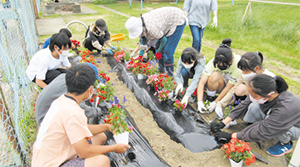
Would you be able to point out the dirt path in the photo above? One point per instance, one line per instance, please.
(173, 153)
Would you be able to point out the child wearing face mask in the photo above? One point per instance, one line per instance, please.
(220, 75)
(190, 65)
(45, 65)
(274, 112)
(250, 64)
(97, 36)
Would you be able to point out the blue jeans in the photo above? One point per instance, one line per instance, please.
(197, 34)
(185, 75)
(167, 59)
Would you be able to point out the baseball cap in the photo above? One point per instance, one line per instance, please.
(95, 70)
(100, 23)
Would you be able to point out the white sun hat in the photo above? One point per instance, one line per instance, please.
(134, 26)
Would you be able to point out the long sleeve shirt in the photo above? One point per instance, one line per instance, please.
(196, 78)
(228, 97)
(199, 11)
(281, 114)
(162, 22)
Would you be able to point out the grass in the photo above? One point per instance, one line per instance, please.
(271, 28)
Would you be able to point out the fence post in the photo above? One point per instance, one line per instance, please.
(8, 126)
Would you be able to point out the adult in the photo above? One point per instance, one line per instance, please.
(97, 36)
(190, 65)
(64, 137)
(45, 65)
(165, 25)
(54, 90)
(65, 31)
(274, 112)
(220, 75)
(199, 17)
(251, 65)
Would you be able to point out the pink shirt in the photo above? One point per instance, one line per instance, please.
(64, 124)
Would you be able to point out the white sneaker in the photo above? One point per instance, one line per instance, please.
(230, 124)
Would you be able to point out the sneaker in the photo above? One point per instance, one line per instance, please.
(280, 149)
(231, 123)
(211, 98)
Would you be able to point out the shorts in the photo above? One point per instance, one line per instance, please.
(75, 162)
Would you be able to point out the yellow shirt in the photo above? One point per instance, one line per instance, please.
(232, 73)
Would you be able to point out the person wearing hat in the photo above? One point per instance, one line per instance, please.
(97, 36)
(165, 25)
(55, 89)
(64, 137)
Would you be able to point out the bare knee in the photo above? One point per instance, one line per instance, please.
(215, 81)
(99, 139)
(97, 161)
(241, 90)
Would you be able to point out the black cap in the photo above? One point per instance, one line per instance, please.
(100, 23)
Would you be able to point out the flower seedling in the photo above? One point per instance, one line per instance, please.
(238, 150)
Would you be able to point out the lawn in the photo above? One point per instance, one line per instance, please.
(271, 29)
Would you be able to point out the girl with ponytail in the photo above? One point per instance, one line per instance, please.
(219, 76)
(274, 112)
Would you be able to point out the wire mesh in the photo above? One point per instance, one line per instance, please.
(18, 43)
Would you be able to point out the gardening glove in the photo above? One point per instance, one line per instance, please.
(109, 51)
(215, 21)
(143, 47)
(158, 55)
(185, 100)
(112, 47)
(201, 107)
(132, 54)
(212, 106)
(178, 89)
(219, 112)
(216, 127)
(223, 137)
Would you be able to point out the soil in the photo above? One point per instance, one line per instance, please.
(174, 153)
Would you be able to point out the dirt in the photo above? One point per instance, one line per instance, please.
(174, 153)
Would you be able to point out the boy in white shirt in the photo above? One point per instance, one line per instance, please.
(45, 64)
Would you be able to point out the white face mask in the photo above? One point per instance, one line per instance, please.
(65, 53)
(260, 101)
(247, 77)
(188, 66)
(91, 95)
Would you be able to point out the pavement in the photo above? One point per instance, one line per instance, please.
(51, 26)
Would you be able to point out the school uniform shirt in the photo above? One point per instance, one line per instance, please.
(199, 11)
(281, 114)
(196, 77)
(162, 22)
(63, 125)
(228, 97)
(232, 73)
(43, 61)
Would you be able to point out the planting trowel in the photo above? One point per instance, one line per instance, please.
(259, 157)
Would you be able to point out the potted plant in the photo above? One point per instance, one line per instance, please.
(162, 95)
(238, 152)
(103, 93)
(119, 56)
(178, 106)
(117, 118)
